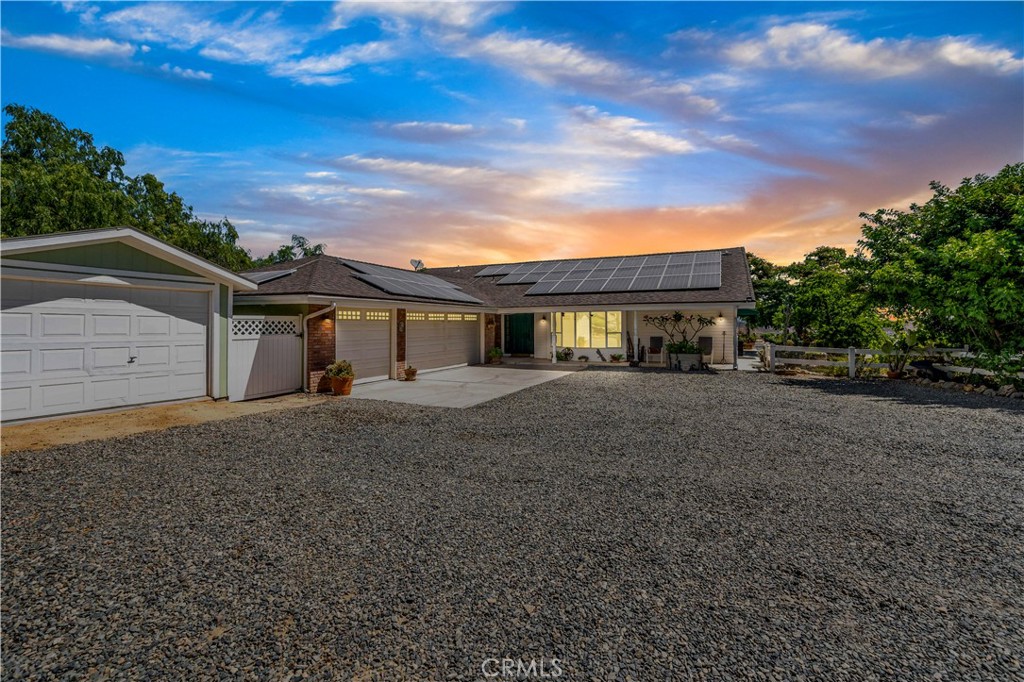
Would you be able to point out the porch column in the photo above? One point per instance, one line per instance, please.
(551, 332)
(636, 338)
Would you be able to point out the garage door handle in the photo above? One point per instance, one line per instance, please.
(131, 359)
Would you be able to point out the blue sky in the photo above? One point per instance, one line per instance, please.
(469, 133)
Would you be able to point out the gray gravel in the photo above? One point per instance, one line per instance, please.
(632, 525)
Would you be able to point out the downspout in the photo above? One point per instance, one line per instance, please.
(305, 342)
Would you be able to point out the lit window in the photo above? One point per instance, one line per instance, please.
(416, 317)
(600, 329)
(348, 314)
(469, 317)
(454, 317)
(435, 317)
(378, 315)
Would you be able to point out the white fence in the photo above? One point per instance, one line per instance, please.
(850, 361)
(265, 356)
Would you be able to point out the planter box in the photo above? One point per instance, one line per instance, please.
(684, 361)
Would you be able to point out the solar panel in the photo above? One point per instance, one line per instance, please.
(267, 275)
(662, 272)
(417, 289)
(396, 274)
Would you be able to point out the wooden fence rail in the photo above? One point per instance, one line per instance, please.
(850, 361)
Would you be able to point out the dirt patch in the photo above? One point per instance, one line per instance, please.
(67, 430)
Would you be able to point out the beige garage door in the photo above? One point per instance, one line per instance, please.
(442, 339)
(70, 347)
(364, 339)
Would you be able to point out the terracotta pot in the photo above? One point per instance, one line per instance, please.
(410, 374)
(893, 374)
(342, 385)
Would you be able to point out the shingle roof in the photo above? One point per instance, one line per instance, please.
(329, 276)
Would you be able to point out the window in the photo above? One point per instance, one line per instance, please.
(469, 317)
(378, 315)
(601, 329)
(454, 317)
(435, 317)
(416, 317)
(348, 314)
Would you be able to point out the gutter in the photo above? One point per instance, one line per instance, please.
(305, 342)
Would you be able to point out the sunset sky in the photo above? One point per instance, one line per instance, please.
(472, 133)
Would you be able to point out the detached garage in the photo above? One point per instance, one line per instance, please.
(109, 318)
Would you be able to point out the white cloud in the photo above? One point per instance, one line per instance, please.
(565, 65)
(186, 73)
(518, 124)
(86, 12)
(625, 136)
(382, 192)
(452, 14)
(70, 46)
(818, 46)
(329, 69)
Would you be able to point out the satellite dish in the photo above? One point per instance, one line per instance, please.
(416, 264)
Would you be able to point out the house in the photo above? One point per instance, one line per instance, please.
(383, 319)
(107, 318)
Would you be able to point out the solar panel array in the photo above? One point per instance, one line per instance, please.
(664, 272)
(409, 283)
(267, 275)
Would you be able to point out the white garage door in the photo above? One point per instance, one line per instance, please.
(442, 339)
(71, 347)
(364, 339)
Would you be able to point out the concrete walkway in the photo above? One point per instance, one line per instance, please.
(459, 387)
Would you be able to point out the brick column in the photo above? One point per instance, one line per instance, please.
(492, 331)
(400, 335)
(320, 349)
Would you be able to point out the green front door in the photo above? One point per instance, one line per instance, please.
(519, 334)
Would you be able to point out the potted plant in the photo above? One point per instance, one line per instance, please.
(897, 350)
(494, 355)
(564, 355)
(341, 375)
(410, 373)
(616, 357)
(684, 353)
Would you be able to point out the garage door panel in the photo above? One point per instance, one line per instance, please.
(112, 325)
(366, 343)
(69, 395)
(62, 360)
(443, 342)
(14, 325)
(67, 347)
(63, 324)
(108, 390)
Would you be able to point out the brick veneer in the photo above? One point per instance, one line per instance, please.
(492, 332)
(400, 337)
(320, 349)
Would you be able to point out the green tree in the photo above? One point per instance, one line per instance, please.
(827, 307)
(773, 292)
(299, 248)
(954, 265)
(54, 179)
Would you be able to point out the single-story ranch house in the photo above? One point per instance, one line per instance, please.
(106, 318)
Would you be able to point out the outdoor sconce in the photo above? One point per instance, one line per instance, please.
(544, 318)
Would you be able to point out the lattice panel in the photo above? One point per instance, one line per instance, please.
(264, 327)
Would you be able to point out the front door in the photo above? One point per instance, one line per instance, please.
(519, 334)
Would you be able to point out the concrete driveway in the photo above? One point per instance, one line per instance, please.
(459, 387)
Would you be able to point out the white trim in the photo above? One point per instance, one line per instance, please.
(214, 379)
(138, 274)
(104, 280)
(141, 241)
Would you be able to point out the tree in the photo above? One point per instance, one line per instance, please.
(773, 292)
(299, 248)
(955, 265)
(54, 179)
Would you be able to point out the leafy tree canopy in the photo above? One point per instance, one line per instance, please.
(954, 265)
(55, 179)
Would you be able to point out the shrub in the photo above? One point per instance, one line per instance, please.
(339, 368)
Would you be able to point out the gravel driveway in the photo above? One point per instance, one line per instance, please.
(630, 525)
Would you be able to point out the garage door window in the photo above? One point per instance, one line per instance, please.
(378, 315)
(349, 314)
